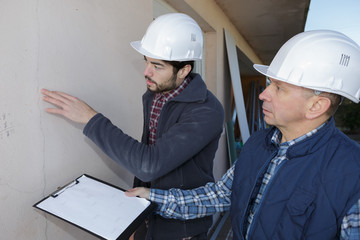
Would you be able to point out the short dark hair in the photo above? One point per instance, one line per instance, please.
(177, 65)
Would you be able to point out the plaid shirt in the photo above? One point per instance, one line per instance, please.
(215, 197)
(157, 104)
(195, 203)
(350, 226)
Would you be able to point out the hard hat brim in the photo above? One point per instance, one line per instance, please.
(261, 68)
(138, 47)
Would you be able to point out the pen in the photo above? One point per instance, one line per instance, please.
(61, 190)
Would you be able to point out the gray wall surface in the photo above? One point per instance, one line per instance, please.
(80, 47)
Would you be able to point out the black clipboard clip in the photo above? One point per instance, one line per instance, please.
(60, 190)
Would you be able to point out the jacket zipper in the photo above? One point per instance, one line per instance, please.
(244, 217)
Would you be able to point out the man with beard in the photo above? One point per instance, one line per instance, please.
(182, 121)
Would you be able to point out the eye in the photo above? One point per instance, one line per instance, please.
(268, 81)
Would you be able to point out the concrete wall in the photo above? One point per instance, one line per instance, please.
(77, 46)
(80, 47)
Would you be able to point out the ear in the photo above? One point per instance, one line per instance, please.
(183, 72)
(317, 107)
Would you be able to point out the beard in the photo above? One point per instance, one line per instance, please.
(167, 86)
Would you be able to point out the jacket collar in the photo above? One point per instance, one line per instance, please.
(310, 144)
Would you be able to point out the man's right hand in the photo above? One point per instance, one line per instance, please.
(138, 192)
(68, 106)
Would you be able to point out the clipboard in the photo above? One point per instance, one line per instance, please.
(97, 207)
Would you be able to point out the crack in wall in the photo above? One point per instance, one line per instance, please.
(41, 112)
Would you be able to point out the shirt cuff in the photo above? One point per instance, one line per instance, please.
(158, 195)
(91, 123)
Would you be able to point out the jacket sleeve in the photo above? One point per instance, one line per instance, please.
(196, 128)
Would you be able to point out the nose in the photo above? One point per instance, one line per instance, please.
(265, 96)
(148, 70)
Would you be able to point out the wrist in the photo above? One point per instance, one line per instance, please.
(90, 116)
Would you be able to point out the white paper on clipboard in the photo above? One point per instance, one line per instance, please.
(94, 206)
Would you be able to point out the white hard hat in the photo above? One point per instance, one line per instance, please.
(172, 37)
(322, 60)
